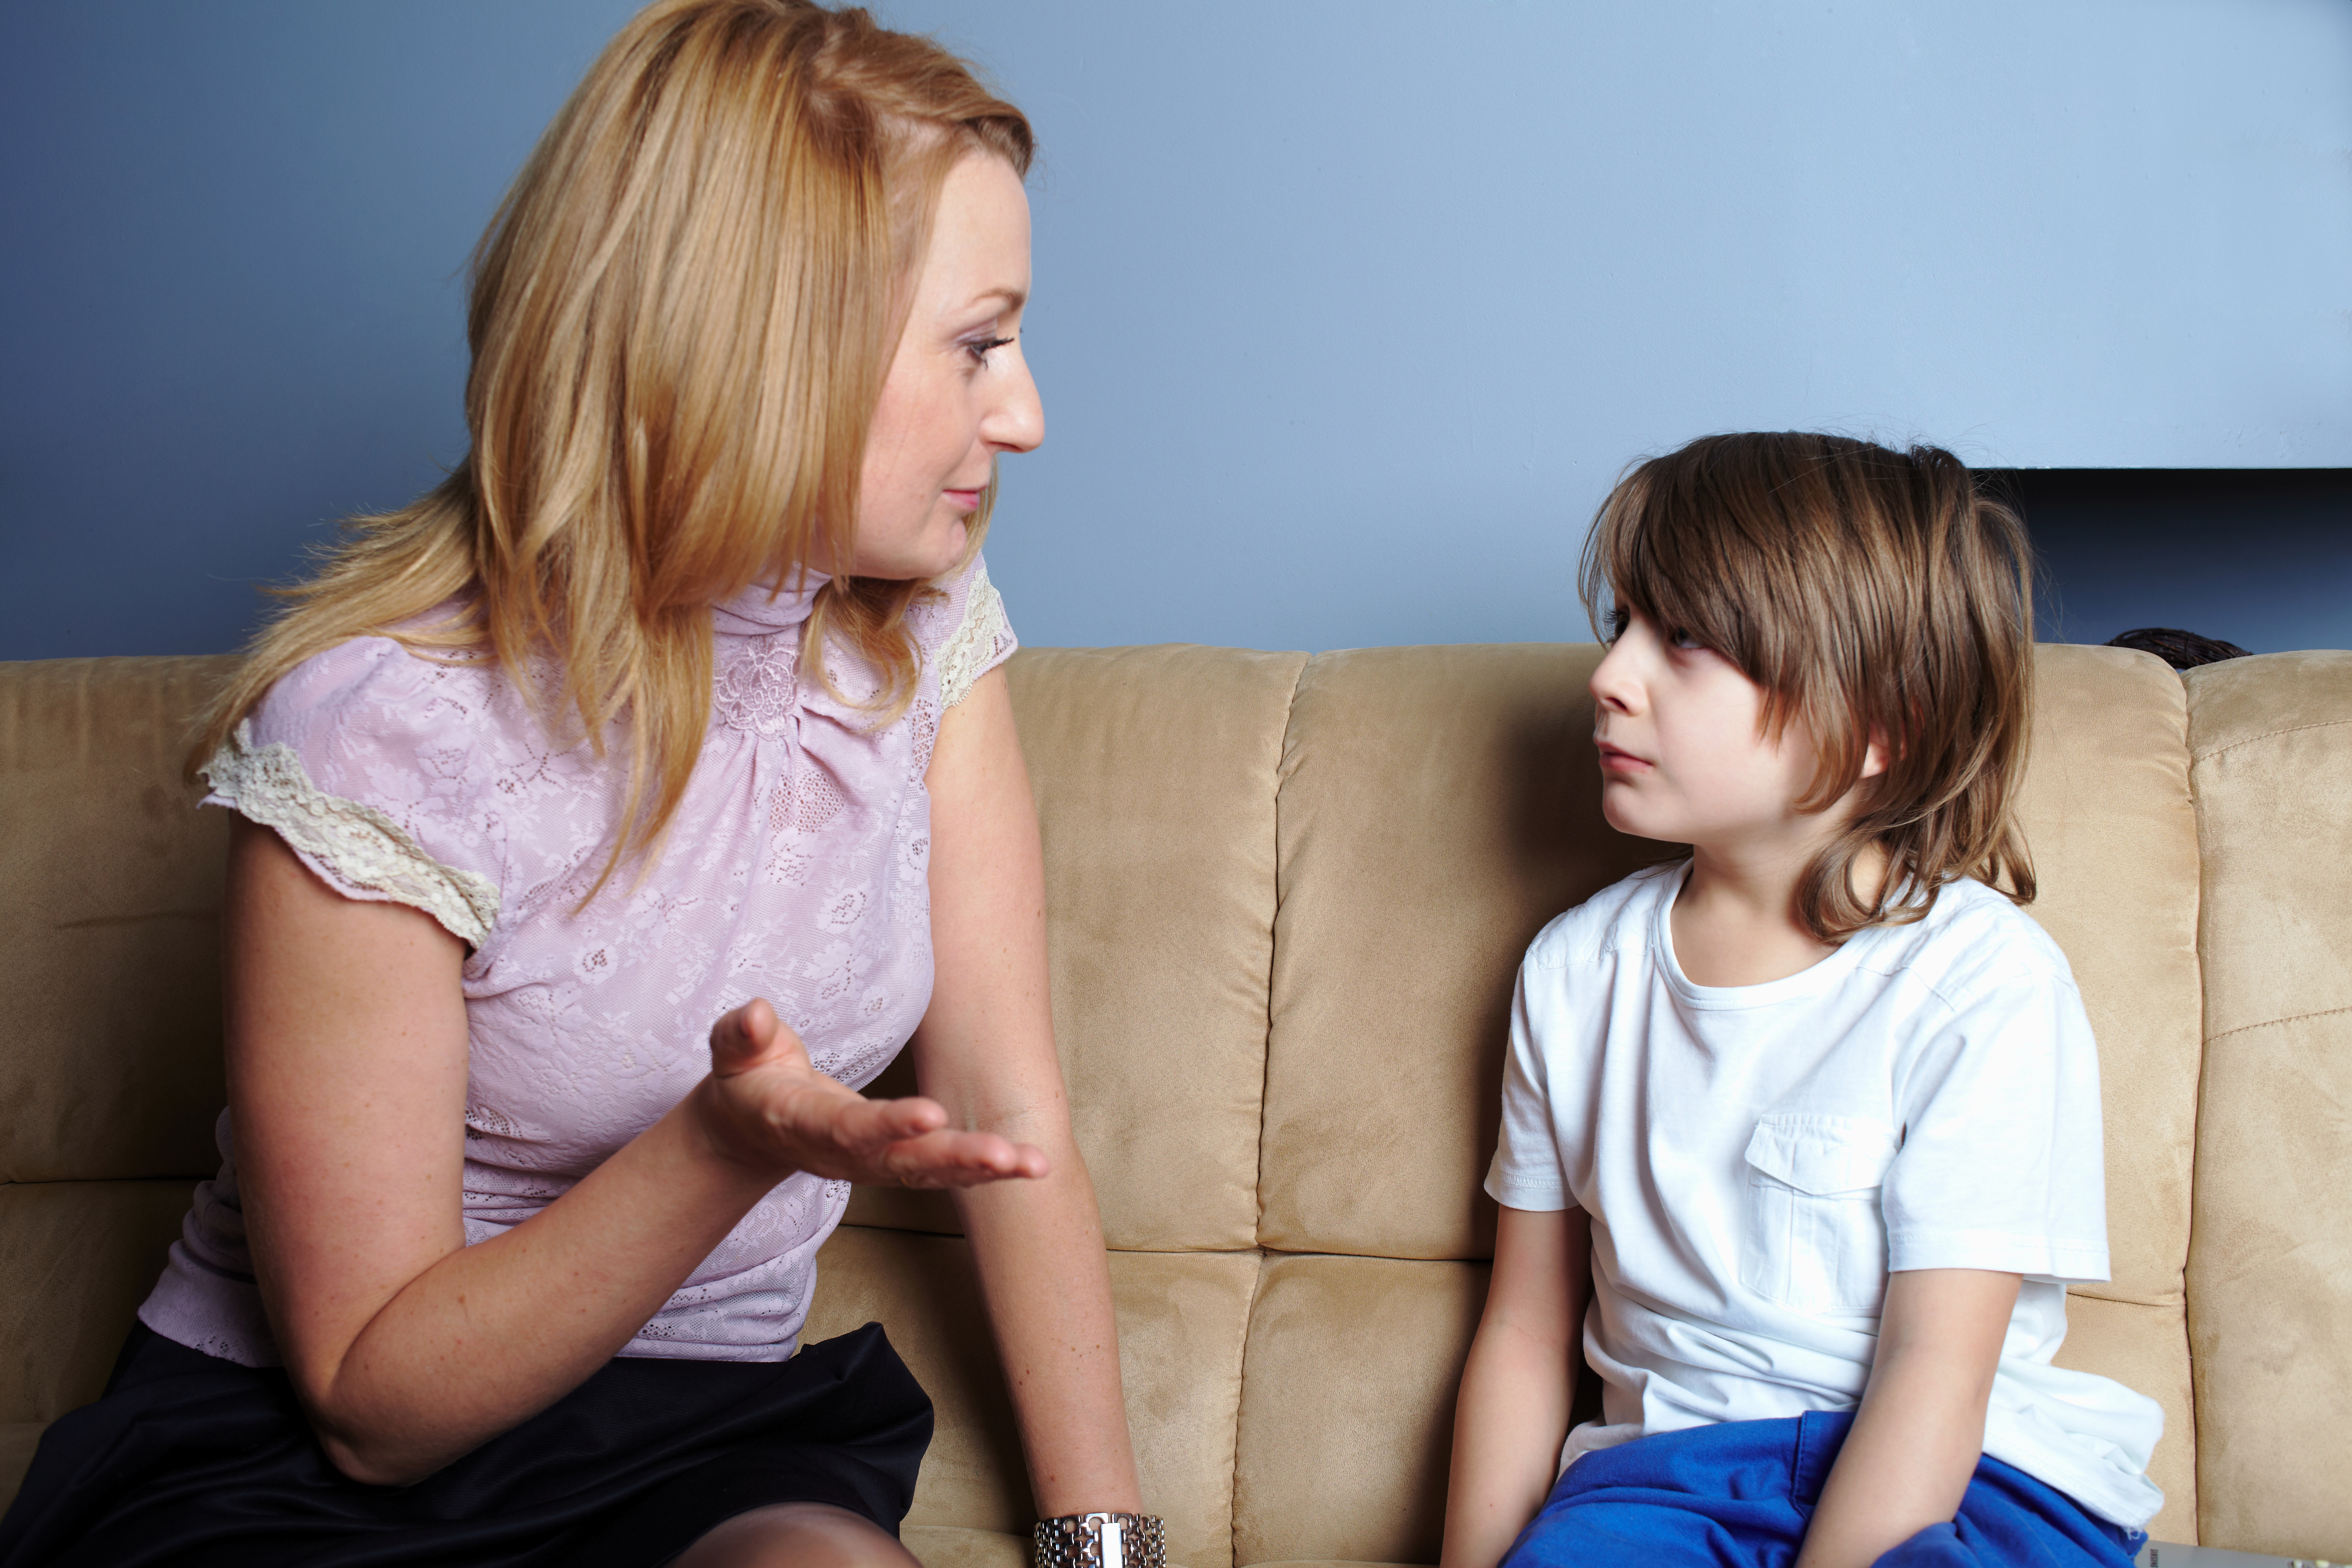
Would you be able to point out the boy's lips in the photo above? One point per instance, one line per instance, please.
(1617, 759)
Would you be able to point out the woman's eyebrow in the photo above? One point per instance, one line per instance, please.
(1014, 297)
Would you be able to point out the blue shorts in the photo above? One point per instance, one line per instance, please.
(1740, 1494)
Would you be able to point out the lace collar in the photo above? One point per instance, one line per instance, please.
(766, 608)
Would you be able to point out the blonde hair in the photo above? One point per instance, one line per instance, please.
(682, 316)
(1873, 595)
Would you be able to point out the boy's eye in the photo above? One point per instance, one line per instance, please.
(1619, 619)
(1682, 638)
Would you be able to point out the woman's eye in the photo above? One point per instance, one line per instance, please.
(981, 348)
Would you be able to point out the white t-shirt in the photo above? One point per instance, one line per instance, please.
(1755, 1159)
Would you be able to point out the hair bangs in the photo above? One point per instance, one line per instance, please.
(1879, 599)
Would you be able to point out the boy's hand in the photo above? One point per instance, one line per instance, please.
(1511, 1415)
(1916, 1438)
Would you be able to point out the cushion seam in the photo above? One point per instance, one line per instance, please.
(1273, 943)
(2197, 757)
(2269, 1022)
(2177, 1302)
(1240, 1398)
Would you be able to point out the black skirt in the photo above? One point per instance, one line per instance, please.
(195, 1461)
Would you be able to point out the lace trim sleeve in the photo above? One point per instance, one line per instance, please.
(978, 643)
(270, 785)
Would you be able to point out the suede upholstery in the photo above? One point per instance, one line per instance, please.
(2270, 1272)
(1287, 899)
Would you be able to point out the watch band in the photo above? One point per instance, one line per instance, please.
(1102, 1541)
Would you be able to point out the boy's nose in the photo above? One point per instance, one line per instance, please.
(1612, 685)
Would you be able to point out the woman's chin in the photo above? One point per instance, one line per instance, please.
(935, 555)
(958, 541)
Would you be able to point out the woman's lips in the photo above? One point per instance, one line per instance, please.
(963, 501)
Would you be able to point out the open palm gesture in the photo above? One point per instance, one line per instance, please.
(765, 1106)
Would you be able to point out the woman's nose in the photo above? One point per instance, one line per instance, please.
(1015, 421)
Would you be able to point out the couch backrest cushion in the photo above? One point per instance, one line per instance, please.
(112, 995)
(110, 1007)
(1154, 771)
(2112, 833)
(1438, 805)
(2271, 1271)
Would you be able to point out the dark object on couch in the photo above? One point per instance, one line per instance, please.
(2182, 650)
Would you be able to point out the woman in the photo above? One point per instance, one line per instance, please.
(677, 702)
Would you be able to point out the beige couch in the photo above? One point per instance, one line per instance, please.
(1287, 897)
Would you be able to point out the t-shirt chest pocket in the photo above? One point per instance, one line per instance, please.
(1813, 1236)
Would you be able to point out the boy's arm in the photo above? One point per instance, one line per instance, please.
(1920, 1430)
(1512, 1415)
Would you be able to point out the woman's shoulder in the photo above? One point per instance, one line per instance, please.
(964, 632)
(325, 691)
(384, 688)
(389, 770)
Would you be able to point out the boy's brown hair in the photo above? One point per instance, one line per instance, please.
(1871, 594)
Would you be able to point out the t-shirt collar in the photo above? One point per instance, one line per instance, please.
(1808, 982)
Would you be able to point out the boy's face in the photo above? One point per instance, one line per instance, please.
(1682, 752)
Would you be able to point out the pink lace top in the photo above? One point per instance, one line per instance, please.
(794, 869)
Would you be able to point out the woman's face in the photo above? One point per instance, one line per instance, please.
(958, 392)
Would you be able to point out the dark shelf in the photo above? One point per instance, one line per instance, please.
(2260, 557)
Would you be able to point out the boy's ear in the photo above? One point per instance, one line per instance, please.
(1873, 756)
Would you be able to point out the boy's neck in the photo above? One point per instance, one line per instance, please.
(1735, 920)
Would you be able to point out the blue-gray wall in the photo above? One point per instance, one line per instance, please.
(1346, 313)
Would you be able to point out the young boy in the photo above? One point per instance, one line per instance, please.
(1803, 1131)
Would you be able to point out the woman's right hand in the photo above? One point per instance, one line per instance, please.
(765, 1108)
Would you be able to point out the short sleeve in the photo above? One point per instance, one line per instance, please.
(981, 638)
(2002, 1166)
(1528, 1172)
(367, 761)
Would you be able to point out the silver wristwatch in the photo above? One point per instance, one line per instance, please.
(1102, 1541)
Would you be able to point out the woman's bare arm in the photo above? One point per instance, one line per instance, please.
(1511, 1416)
(985, 1051)
(347, 1057)
(1919, 1432)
